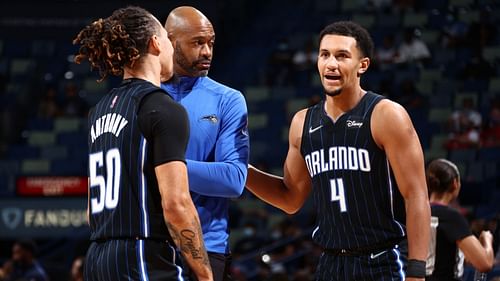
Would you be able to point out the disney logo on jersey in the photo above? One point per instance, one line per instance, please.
(354, 123)
(212, 118)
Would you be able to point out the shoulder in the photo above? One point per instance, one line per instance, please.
(208, 84)
(224, 97)
(297, 127)
(388, 112)
(158, 99)
(299, 117)
(447, 213)
(390, 121)
(160, 102)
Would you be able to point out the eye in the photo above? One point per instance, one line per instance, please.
(341, 56)
(324, 55)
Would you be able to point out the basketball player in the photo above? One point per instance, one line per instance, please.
(345, 149)
(451, 237)
(139, 204)
(217, 152)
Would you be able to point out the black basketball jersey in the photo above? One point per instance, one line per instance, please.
(445, 261)
(352, 189)
(125, 201)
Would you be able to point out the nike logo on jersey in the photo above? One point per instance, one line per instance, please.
(312, 130)
(374, 256)
(212, 118)
(354, 123)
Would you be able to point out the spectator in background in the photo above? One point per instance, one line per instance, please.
(490, 135)
(451, 236)
(409, 97)
(387, 53)
(477, 68)
(6, 270)
(24, 264)
(76, 273)
(304, 64)
(279, 64)
(48, 107)
(73, 105)
(464, 125)
(413, 49)
(454, 31)
(403, 6)
(482, 32)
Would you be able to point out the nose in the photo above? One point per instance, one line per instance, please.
(332, 63)
(206, 51)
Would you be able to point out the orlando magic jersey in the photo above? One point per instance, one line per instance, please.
(125, 201)
(352, 189)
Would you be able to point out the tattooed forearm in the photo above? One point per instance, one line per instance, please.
(187, 243)
(190, 241)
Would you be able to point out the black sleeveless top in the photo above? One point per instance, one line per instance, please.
(351, 178)
(125, 201)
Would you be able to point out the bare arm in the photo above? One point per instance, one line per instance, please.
(478, 252)
(394, 133)
(181, 217)
(290, 191)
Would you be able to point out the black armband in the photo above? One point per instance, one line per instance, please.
(415, 269)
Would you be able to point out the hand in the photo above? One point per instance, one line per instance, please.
(486, 238)
(414, 279)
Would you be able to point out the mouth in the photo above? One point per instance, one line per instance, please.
(331, 77)
(204, 65)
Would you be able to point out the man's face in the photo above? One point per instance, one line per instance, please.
(193, 50)
(339, 63)
(18, 253)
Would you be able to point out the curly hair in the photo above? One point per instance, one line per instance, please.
(351, 29)
(440, 174)
(118, 41)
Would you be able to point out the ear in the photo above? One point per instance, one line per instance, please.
(455, 184)
(154, 45)
(364, 63)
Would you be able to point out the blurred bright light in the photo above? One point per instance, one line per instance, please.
(69, 75)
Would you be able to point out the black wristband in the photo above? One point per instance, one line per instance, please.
(415, 269)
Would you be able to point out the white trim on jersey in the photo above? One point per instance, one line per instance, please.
(400, 263)
(143, 188)
(142, 263)
(178, 267)
(392, 195)
(314, 231)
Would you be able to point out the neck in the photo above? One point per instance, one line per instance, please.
(347, 99)
(442, 199)
(146, 69)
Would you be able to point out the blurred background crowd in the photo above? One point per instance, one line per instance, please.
(440, 59)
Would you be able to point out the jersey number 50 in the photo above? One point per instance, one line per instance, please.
(108, 187)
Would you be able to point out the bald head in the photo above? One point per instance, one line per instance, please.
(193, 38)
(186, 19)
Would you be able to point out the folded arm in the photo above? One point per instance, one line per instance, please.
(226, 175)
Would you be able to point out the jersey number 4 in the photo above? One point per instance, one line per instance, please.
(337, 192)
(109, 186)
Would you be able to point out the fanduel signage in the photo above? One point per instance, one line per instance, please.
(42, 217)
